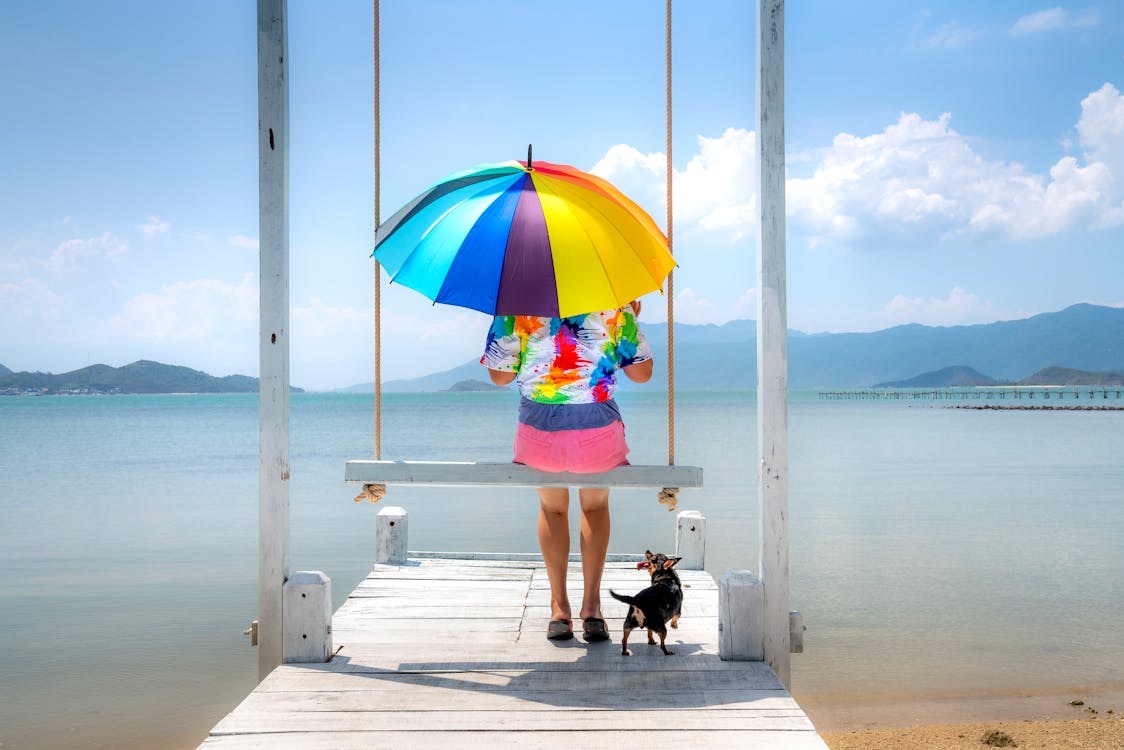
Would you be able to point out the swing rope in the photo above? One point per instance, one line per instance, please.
(375, 492)
(668, 495)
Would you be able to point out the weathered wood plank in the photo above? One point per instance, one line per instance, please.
(426, 584)
(449, 690)
(574, 657)
(654, 679)
(419, 719)
(614, 610)
(499, 740)
(413, 609)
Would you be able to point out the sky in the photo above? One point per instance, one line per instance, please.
(952, 163)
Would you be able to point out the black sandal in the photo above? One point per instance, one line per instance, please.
(593, 628)
(560, 630)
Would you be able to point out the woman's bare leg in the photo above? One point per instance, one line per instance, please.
(554, 541)
(594, 545)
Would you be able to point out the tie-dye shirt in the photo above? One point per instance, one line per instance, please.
(566, 360)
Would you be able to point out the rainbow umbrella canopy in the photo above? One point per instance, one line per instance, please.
(525, 239)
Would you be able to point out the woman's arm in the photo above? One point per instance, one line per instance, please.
(501, 377)
(641, 372)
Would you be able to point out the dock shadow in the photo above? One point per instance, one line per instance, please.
(602, 678)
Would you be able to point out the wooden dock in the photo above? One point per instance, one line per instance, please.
(452, 653)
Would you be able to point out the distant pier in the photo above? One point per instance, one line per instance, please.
(1037, 393)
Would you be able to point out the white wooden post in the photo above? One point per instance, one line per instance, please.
(796, 631)
(690, 540)
(273, 241)
(772, 331)
(741, 617)
(308, 618)
(391, 535)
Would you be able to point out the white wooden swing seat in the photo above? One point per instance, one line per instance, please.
(462, 473)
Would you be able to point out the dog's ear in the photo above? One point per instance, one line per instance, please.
(648, 554)
(671, 562)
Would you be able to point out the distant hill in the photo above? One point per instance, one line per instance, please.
(4, 370)
(1082, 337)
(957, 375)
(1066, 376)
(143, 376)
(472, 385)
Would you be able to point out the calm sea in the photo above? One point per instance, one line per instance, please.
(934, 551)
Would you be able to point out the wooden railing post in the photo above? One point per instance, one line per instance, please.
(690, 540)
(741, 617)
(308, 618)
(392, 534)
(273, 241)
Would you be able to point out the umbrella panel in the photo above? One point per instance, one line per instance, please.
(473, 279)
(425, 247)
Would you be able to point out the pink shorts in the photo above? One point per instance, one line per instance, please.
(580, 451)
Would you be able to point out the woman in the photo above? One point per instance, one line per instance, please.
(569, 421)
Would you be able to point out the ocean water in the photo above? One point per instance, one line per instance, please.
(933, 551)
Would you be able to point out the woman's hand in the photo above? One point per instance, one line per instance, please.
(635, 305)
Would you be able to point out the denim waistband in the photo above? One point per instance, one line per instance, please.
(557, 417)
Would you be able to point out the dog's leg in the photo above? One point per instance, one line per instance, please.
(651, 640)
(624, 642)
(667, 651)
(675, 620)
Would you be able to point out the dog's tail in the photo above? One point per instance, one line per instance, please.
(620, 598)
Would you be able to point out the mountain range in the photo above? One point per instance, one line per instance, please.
(724, 357)
(1086, 343)
(143, 376)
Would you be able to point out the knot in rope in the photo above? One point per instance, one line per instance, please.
(371, 493)
(669, 496)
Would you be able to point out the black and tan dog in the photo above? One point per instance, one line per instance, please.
(655, 606)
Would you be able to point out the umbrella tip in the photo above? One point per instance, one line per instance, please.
(529, 167)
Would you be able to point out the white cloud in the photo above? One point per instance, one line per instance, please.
(154, 227)
(714, 192)
(958, 308)
(691, 307)
(28, 299)
(241, 240)
(1101, 129)
(917, 181)
(67, 254)
(952, 36)
(920, 178)
(198, 311)
(716, 189)
(1054, 18)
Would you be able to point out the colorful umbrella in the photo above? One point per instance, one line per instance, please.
(525, 239)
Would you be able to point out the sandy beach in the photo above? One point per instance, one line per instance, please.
(1085, 720)
(1079, 734)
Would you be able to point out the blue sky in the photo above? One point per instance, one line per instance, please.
(955, 163)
